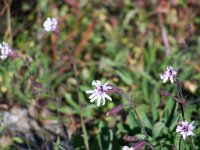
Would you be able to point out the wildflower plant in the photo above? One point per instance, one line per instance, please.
(185, 129)
(138, 134)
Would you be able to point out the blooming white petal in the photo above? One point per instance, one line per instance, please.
(5, 50)
(169, 73)
(99, 92)
(99, 100)
(89, 91)
(50, 24)
(108, 97)
(185, 129)
(127, 148)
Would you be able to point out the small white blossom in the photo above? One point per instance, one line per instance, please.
(170, 73)
(5, 50)
(50, 24)
(127, 148)
(99, 92)
(185, 129)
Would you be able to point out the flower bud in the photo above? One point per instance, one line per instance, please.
(139, 145)
(179, 100)
(22, 70)
(56, 32)
(129, 138)
(163, 93)
(113, 89)
(13, 54)
(115, 110)
(37, 84)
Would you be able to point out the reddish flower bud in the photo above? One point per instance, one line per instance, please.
(139, 145)
(56, 32)
(129, 138)
(37, 84)
(115, 110)
(22, 70)
(113, 90)
(179, 100)
(13, 54)
(163, 93)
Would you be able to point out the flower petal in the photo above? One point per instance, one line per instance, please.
(94, 98)
(99, 101)
(106, 96)
(90, 91)
(172, 79)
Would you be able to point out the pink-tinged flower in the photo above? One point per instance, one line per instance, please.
(5, 50)
(127, 148)
(50, 24)
(185, 129)
(170, 73)
(99, 92)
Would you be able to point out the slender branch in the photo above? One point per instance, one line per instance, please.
(182, 111)
(180, 96)
(191, 143)
(137, 115)
(179, 143)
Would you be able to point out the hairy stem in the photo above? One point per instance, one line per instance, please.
(179, 143)
(180, 96)
(138, 117)
(191, 144)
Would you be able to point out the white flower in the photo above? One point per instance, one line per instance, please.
(185, 129)
(169, 73)
(5, 50)
(127, 148)
(50, 24)
(99, 92)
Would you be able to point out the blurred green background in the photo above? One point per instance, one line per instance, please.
(127, 42)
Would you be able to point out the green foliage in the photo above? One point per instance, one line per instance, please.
(119, 41)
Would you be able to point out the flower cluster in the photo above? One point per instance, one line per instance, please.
(99, 92)
(185, 129)
(50, 24)
(170, 73)
(5, 50)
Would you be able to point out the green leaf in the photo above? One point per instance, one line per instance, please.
(71, 101)
(121, 128)
(18, 140)
(168, 110)
(132, 121)
(66, 110)
(140, 136)
(197, 131)
(157, 129)
(125, 76)
(142, 112)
